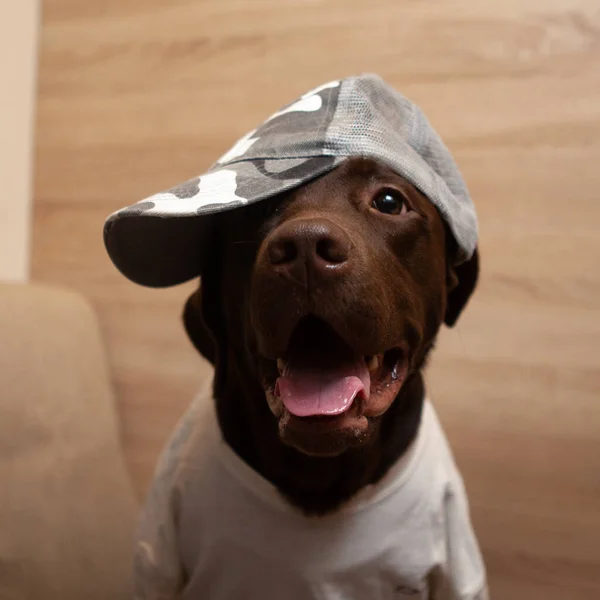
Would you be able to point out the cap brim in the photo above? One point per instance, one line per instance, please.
(162, 241)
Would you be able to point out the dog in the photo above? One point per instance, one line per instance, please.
(320, 470)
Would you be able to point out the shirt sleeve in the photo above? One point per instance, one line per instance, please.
(157, 569)
(462, 576)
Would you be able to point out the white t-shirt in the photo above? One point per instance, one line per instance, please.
(213, 528)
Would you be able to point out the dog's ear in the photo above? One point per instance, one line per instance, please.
(196, 327)
(462, 280)
(203, 312)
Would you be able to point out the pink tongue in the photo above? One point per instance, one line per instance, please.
(309, 392)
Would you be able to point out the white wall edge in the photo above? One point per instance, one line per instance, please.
(19, 43)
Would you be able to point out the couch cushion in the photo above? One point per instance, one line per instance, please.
(66, 505)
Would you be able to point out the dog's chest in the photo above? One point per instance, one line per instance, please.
(253, 556)
(242, 542)
(213, 528)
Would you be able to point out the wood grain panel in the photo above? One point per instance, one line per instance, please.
(136, 96)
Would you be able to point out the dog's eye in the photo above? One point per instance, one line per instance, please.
(390, 202)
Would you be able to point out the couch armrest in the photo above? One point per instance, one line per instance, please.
(66, 503)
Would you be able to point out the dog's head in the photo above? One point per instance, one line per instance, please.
(328, 298)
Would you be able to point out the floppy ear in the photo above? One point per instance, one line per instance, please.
(462, 280)
(196, 328)
(202, 315)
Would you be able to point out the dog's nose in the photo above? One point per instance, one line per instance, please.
(309, 244)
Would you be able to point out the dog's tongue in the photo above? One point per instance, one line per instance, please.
(309, 390)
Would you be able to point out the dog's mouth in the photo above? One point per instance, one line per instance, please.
(322, 379)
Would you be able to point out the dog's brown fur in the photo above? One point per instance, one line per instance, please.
(396, 287)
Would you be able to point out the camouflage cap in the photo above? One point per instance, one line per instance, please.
(159, 241)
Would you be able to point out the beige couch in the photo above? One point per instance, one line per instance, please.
(67, 510)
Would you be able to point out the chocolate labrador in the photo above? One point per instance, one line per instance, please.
(332, 243)
(318, 310)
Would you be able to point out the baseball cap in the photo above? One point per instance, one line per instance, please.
(163, 240)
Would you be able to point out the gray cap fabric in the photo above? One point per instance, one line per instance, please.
(161, 240)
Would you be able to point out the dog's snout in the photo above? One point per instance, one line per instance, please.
(313, 244)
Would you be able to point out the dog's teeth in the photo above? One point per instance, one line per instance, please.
(372, 363)
(280, 365)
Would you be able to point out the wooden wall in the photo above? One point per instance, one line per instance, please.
(136, 96)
